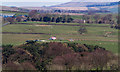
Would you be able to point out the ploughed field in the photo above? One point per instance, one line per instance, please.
(17, 34)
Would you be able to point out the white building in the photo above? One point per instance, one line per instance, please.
(7, 14)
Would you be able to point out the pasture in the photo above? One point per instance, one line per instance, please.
(17, 34)
(16, 13)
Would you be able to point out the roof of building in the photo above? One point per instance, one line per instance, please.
(7, 14)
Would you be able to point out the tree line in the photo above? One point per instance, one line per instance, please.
(97, 19)
(42, 17)
(45, 17)
(33, 16)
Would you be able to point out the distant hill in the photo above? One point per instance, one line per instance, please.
(7, 8)
(95, 1)
(108, 6)
(76, 5)
(104, 4)
(86, 4)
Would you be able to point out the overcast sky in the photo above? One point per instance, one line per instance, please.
(56, 0)
(35, 0)
(44, 2)
(32, 3)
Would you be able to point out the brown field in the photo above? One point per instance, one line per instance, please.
(69, 13)
(42, 25)
(94, 8)
(72, 8)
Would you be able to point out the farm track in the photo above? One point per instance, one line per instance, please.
(61, 24)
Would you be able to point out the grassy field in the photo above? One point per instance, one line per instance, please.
(94, 35)
(55, 29)
(17, 13)
(31, 22)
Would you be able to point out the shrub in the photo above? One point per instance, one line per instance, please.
(82, 30)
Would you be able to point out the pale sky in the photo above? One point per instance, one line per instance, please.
(57, 0)
(32, 3)
(36, 3)
(35, 0)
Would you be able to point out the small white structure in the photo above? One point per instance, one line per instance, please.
(43, 41)
(7, 14)
(84, 21)
(53, 38)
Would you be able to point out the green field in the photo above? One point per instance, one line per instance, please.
(35, 22)
(17, 13)
(94, 36)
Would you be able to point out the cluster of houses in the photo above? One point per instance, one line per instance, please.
(5, 15)
(21, 17)
(53, 38)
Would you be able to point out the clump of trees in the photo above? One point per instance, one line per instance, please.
(33, 16)
(10, 19)
(97, 18)
(116, 26)
(6, 52)
(82, 30)
(57, 56)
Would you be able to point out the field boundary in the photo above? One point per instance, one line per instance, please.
(24, 33)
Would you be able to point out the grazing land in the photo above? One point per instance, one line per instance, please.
(17, 34)
(16, 13)
(70, 36)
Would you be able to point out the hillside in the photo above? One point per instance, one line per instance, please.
(80, 4)
(73, 4)
(57, 56)
(108, 6)
(7, 8)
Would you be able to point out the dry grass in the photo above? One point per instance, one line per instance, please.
(72, 8)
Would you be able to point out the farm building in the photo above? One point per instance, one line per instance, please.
(53, 38)
(7, 14)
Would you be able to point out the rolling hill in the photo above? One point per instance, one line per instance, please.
(7, 8)
(73, 5)
(108, 6)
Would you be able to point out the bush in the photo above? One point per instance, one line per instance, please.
(56, 55)
(82, 30)
(6, 52)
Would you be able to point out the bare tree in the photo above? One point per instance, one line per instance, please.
(32, 13)
(10, 19)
